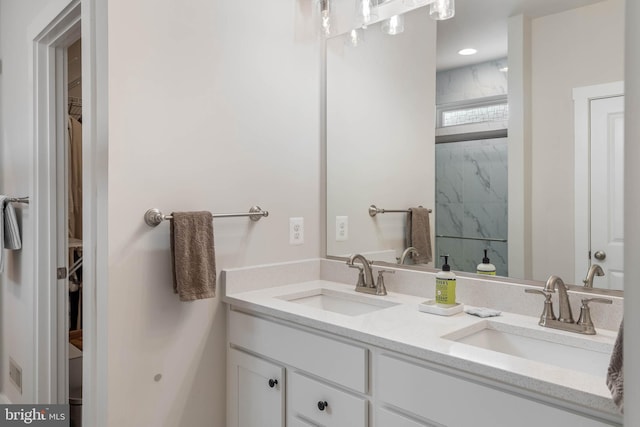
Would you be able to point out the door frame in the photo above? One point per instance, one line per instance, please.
(59, 23)
(582, 97)
(49, 47)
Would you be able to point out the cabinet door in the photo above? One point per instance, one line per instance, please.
(323, 404)
(256, 391)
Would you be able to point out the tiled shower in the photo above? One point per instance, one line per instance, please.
(471, 203)
(471, 173)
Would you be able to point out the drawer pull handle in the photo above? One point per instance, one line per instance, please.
(273, 383)
(322, 405)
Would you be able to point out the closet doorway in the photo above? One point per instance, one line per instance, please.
(73, 204)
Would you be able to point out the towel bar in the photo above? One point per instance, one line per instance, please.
(18, 200)
(373, 210)
(154, 216)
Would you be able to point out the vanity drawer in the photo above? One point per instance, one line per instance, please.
(336, 361)
(306, 398)
(297, 422)
(384, 418)
(455, 402)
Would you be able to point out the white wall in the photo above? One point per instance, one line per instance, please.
(632, 210)
(380, 134)
(212, 106)
(580, 47)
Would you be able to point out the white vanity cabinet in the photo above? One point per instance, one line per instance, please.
(321, 381)
(326, 380)
(448, 400)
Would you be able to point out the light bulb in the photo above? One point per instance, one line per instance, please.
(325, 17)
(393, 25)
(442, 9)
(355, 37)
(365, 12)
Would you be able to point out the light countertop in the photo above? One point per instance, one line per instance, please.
(403, 328)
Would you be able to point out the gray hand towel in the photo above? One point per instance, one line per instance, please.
(193, 255)
(9, 231)
(419, 234)
(615, 373)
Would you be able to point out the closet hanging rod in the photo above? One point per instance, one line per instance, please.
(18, 200)
(154, 216)
(373, 210)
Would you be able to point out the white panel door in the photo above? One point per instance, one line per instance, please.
(607, 188)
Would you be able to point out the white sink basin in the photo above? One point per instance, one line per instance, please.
(571, 352)
(338, 302)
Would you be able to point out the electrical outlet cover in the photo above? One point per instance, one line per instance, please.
(342, 228)
(296, 231)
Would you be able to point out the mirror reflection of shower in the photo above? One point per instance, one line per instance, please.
(471, 165)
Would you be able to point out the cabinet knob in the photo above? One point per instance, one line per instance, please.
(273, 383)
(322, 405)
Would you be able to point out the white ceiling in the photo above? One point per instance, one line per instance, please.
(482, 25)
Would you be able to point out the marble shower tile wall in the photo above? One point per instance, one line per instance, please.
(471, 201)
(475, 81)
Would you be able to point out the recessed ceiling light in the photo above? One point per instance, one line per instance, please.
(467, 51)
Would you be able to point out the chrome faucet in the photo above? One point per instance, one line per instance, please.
(564, 313)
(407, 252)
(565, 320)
(594, 270)
(365, 276)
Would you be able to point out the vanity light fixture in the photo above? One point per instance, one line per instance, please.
(504, 69)
(355, 37)
(442, 9)
(366, 12)
(467, 51)
(393, 25)
(325, 17)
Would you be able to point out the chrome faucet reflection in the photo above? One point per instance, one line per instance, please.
(594, 270)
(365, 276)
(407, 253)
(565, 321)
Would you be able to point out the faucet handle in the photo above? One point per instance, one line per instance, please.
(380, 287)
(547, 311)
(584, 319)
(586, 301)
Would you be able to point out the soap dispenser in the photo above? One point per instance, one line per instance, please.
(445, 284)
(486, 267)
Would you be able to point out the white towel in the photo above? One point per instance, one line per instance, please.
(9, 231)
